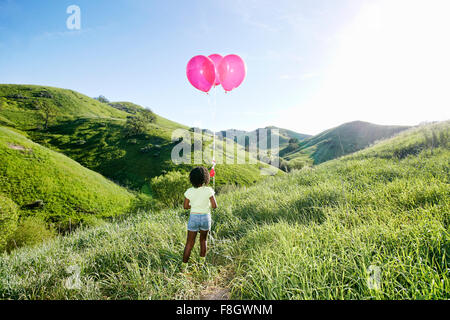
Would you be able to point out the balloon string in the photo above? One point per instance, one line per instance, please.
(214, 102)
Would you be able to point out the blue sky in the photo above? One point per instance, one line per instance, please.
(311, 64)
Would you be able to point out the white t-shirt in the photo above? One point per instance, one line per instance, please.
(199, 199)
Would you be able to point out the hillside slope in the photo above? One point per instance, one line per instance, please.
(30, 172)
(20, 106)
(95, 134)
(344, 139)
(283, 136)
(371, 225)
(102, 145)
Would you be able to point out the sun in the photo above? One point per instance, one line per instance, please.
(390, 65)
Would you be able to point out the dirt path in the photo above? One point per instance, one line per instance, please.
(218, 288)
(215, 293)
(17, 147)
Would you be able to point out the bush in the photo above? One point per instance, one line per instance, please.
(284, 165)
(132, 141)
(146, 149)
(297, 164)
(148, 115)
(102, 99)
(8, 220)
(3, 103)
(92, 221)
(31, 231)
(136, 125)
(170, 188)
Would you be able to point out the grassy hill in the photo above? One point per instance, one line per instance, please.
(94, 134)
(284, 135)
(370, 225)
(102, 145)
(344, 139)
(30, 172)
(21, 106)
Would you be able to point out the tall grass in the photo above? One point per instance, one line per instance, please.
(317, 233)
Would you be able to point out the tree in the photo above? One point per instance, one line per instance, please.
(47, 111)
(136, 125)
(102, 99)
(148, 115)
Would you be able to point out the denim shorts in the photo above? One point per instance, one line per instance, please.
(199, 222)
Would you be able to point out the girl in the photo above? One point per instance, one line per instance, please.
(200, 199)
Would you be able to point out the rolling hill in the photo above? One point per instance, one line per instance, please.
(370, 225)
(344, 139)
(284, 135)
(22, 106)
(30, 173)
(94, 134)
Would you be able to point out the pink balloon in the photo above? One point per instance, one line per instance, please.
(201, 73)
(217, 59)
(232, 71)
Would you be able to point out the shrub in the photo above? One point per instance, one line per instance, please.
(147, 148)
(297, 164)
(3, 103)
(148, 115)
(31, 231)
(92, 221)
(132, 141)
(102, 99)
(170, 188)
(284, 165)
(43, 94)
(8, 220)
(136, 125)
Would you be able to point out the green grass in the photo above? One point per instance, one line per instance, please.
(8, 220)
(94, 134)
(30, 172)
(20, 105)
(336, 142)
(283, 136)
(311, 234)
(102, 145)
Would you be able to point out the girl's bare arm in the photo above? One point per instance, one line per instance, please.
(187, 204)
(212, 199)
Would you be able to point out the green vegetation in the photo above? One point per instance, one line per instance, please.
(339, 141)
(30, 231)
(315, 233)
(170, 188)
(47, 184)
(120, 140)
(284, 136)
(22, 106)
(8, 220)
(104, 146)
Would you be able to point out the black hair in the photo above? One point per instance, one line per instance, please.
(199, 176)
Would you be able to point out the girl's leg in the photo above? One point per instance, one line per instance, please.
(203, 238)
(189, 245)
